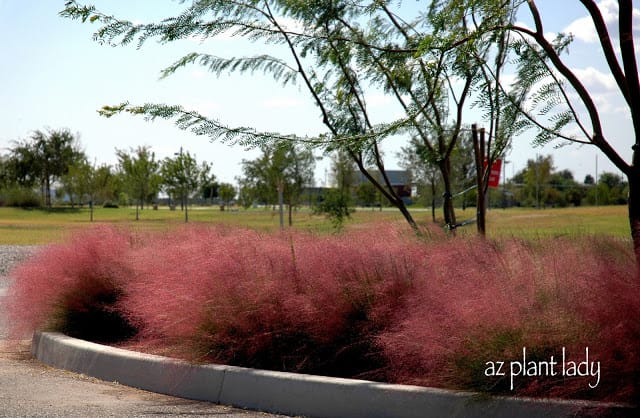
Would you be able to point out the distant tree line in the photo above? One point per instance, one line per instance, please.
(538, 184)
(50, 166)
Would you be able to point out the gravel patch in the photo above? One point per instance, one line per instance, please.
(11, 255)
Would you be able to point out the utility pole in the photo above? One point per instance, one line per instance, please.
(537, 167)
(596, 184)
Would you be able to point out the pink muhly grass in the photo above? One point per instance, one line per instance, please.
(63, 282)
(181, 274)
(374, 302)
(455, 293)
(466, 311)
(290, 300)
(606, 297)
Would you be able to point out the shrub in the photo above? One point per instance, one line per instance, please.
(335, 204)
(74, 288)
(19, 197)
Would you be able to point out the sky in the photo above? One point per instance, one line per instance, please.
(53, 75)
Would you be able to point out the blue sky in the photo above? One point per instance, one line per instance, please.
(54, 75)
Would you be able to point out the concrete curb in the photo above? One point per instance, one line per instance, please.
(289, 393)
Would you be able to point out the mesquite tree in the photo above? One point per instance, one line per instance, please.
(329, 53)
(557, 93)
(343, 53)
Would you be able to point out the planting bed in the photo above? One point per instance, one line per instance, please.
(546, 318)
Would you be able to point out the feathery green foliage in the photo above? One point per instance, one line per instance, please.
(340, 51)
(267, 64)
(548, 108)
(198, 124)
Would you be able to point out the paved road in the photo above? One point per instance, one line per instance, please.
(31, 389)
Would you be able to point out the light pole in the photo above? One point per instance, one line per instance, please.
(537, 181)
(596, 184)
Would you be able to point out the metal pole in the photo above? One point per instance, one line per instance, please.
(537, 182)
(596, 184)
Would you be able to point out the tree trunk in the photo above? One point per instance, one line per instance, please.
(43, 199)
(399, 203)
(447, 205)
(186, 208)
(634, 209)
(281, 204)
(433, 210)
(290, 214)
(433, 201)
(479, 152)
(47, 191)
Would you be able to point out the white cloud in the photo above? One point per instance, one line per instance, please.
(197, 39)
(508, 79)
(604, 103)
(550, 36)
(603, 89)
(595, 80)
(584, 30)
(609, 10)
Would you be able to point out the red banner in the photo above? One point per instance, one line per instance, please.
(494, 174)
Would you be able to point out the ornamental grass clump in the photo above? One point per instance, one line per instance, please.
(373, 302)
(479, 304)
(289, 301)
(75, 288)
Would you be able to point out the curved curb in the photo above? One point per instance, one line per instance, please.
(289, 393)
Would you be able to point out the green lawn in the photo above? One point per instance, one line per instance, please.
(527, 223)
(24, 227)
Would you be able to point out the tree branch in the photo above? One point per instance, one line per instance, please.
(607, 46)
(597, 138)
(628, 51)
